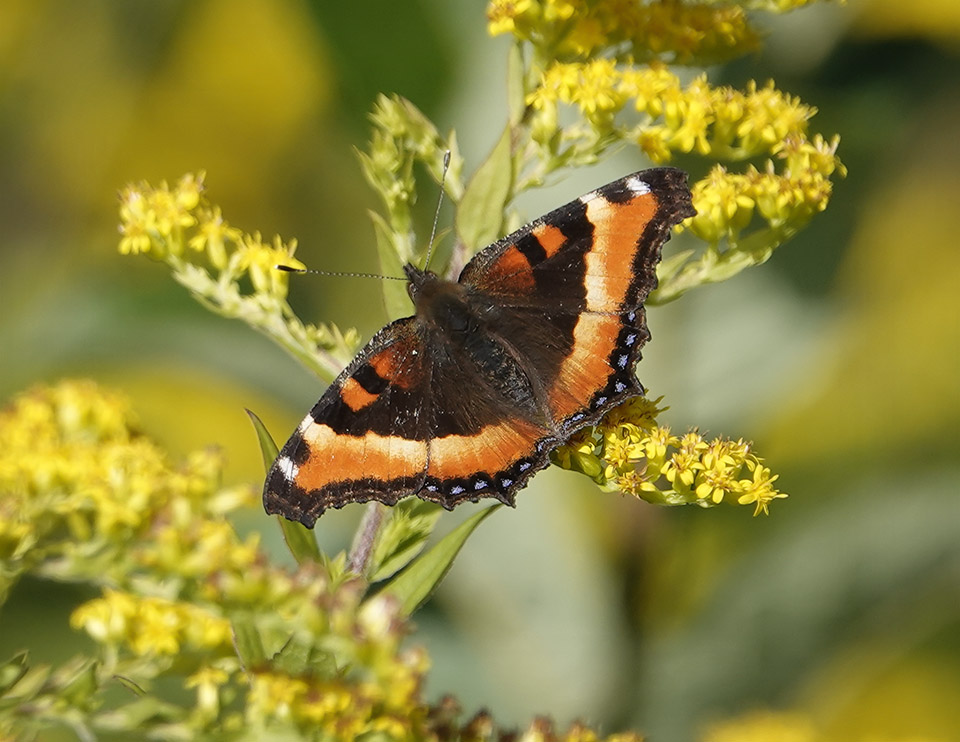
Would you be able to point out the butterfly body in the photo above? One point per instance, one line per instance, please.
(466, 398)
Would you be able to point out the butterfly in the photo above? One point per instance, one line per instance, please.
(537, 339)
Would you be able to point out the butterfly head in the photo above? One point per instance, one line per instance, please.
(419, 280)
(440, 303)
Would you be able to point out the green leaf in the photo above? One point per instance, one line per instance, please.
(300, 539)
(12, 670)
(417, 582)
(299, 657)
(395, 297)
(247, 641)
(78, 680)
(28, 685)
(669, 267)
(402, 537)
(147, 710)
(268, 449)
(480, 216)
(516, 94)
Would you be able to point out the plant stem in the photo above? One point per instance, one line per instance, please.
(363, 541)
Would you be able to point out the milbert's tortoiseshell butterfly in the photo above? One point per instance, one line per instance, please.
(465, 399)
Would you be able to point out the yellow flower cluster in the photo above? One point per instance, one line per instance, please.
(77, 480)
(752, 212)
(150, 625)
(675, 32)
(718, 121)
(195, 549)
(153, 220)
(164, 222)
(215, 262)
(336, 708)
(726, 202)
(183, 595)
(629, 452)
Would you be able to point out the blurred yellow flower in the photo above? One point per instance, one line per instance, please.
(764, 726)
(151, 625)
(678, 32)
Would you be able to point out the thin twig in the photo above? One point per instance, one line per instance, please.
(363, 541)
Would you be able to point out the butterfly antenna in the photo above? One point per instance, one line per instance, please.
(338, 274)
(436, 216)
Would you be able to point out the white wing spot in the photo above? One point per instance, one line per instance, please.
(306, 424)
(287, 468)
(456, 490)
(587, 197)
(637, 186)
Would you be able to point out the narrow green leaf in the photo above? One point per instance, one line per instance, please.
(13, 669)
(268, 449)
(247, 641)
(417, 582)
(29, 684)
(395, 297)
(146, 710)
(516, 95)
(300, 539)
(402, 537)
(128, 684)
(480, 216)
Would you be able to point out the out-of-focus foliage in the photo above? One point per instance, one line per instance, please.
(185, 601)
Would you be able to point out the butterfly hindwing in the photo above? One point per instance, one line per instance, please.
(365, 439)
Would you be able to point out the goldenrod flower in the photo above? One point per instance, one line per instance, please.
(151, 626)
(718, 122)
(153, 220)
(273, 694)
(208, 681)
(577, 28)
(636, 456)
(260, 262)
(759, 489)
(212, 259)
(214, 236)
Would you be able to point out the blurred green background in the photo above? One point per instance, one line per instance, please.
(839, 358)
